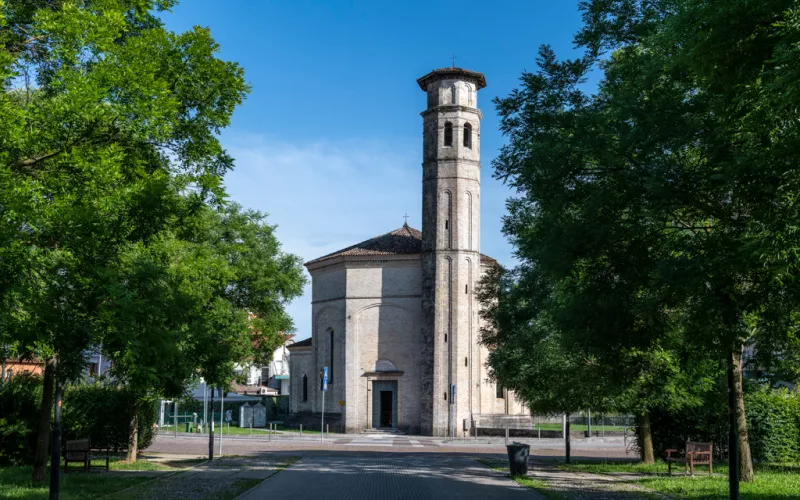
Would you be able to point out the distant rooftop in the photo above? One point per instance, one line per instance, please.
(456, 73)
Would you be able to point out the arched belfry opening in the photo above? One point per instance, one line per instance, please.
(468, 136)
(448, 134)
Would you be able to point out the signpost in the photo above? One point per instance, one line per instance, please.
(324, 390)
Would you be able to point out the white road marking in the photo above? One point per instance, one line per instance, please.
(415, 443)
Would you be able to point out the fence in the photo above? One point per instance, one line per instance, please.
(193, 412)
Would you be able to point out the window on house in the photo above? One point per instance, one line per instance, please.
(468, 136)
(500, 391)
(305, 388)
(448, 134)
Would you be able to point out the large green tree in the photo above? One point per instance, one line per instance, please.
(197, 301)
(672, 188)
(102, 109)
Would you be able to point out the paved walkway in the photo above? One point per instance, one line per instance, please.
(197, 446)
(389, 477)
(206, 480)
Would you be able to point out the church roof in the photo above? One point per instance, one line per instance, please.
(455, 73)
(301, 343)
(403, 241)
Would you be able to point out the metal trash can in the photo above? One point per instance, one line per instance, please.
(188, 426)
(518, 458)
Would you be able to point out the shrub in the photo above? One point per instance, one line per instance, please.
(20, 400)
(102, 413)
(773, 420)
(773, 424)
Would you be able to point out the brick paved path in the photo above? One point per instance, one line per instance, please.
(387, 477)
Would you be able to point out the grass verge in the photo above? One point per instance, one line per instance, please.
(15, 483)
(773, 481)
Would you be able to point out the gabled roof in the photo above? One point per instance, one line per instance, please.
(302, 343)
(403, 241)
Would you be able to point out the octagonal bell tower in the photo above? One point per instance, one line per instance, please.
(450, 248)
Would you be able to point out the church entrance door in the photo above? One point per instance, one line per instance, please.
(384, 404)
(386, 408)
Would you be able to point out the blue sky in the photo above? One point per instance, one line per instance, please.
(329, 142)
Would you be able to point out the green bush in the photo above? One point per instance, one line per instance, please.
(773, 420)
(773, 423)
(102, 413)
(20, 400)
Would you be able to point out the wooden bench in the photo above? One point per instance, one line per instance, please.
(80, 450)
(695, 454)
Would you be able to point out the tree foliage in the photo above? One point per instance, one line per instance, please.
(115, 231)
(661, 208)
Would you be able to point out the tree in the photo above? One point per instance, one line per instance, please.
(527, 353)
(244, 282)
(183, 308)
(672, 185)
(100, 105)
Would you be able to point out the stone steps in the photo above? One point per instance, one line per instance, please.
(392, 432)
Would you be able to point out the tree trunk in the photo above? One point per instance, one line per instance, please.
(40, 455)
(745, 460)
(567, 444)
(133, 437)
(646, 439)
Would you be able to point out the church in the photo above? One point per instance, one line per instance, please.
(395, 318)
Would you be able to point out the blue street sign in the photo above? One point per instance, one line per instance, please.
(453, 397)
(325, 379)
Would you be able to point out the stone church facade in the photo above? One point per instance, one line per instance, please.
(395, 317)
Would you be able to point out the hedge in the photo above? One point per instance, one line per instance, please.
(102, 413)
(20, 400)
(773, 424)
(99, 412)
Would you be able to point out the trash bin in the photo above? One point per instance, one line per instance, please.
(187, 426)
(518, 458)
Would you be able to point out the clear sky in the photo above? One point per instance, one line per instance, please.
(329, 142)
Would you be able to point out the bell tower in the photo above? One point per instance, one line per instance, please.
(450, 248)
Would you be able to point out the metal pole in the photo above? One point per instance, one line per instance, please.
(211, 429)
(205, 403)
(55, 448)
(301, 430)
(506, 436)
(175, 418)
(327, 430)
(733, 443)
(322, 423)
(221, 416)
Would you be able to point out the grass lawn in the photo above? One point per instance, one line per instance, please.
(772, 481)
(239, 431)
(15, 482)
(580, 428)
